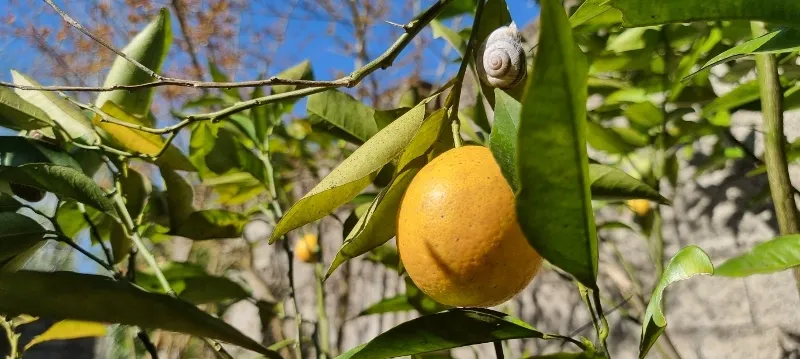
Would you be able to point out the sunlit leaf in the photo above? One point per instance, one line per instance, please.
(655, 12)
(64, 181)
(18, 114)
(688, 262)
(771, 256)
(445, 330)
(84, 297)
(452, 37)
(554, 200)
(343, 111)
(150, 47)
(424, 139)
(457, 7)
(69, 329)
(354, 173)
(141, 141)
(587, 11)
(379, 224)
(776, 42)
(67, 117)
(503, 142)
(604, 139)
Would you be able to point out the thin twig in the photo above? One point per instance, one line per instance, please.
(382, 62)
(462, 70)
(62, 238)
(498, 350)
(96, 38)
(176, 4)
(147, 344)
(96, 234)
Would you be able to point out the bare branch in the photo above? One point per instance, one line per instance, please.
(80, 28)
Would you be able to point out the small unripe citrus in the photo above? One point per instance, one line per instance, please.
(640, 206)
(307, 249)
(458, 235)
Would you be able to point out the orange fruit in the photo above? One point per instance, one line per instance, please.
(639, 206)
(458, 235)
(307, 249)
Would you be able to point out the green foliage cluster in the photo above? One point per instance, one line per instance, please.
(648, 62)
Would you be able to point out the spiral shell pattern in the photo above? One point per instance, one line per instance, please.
(501, 58)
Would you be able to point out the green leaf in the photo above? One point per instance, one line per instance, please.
(180, 198)
(69, 329)
(121, 243)
(604, 139)
(229, 153)
(8, 203)
(772, 256)
(211, 289)
(71, 220)
(644, 114)
(450, 329)
(389, 305)
(587, 11)
(67, 117)
(301, 71)
(354, 173)
(457, 7)
(343, 111)
(424, 139)
(741, 95)
(554, 201)
(135, 188)
(18, 114)
(776, 42)
(217, 75)
(67, 295)
(379, 224)
(451, 36)
(655, 12)
(17, 151)
(503, 142)
(212, 224)
(688, 262)
(140, 141)
(149, 47)
(64, 181)
(609, 183)
(19, 234)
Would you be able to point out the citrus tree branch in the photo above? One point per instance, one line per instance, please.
(774, 152)
(412, 29)
(100, 41)
(455, 96)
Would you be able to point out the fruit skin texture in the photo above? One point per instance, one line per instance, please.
(307, 249)
(458, 235)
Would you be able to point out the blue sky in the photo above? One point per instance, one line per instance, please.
(316, 47)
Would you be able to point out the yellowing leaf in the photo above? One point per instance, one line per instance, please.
(69, 329)
(135, 140)
(141, 141)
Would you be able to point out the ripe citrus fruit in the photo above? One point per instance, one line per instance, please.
(640, 206)
(307, 249)
(458, 235)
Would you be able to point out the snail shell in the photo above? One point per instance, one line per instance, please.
(501, 58)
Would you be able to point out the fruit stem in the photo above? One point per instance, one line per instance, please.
(455, 96)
